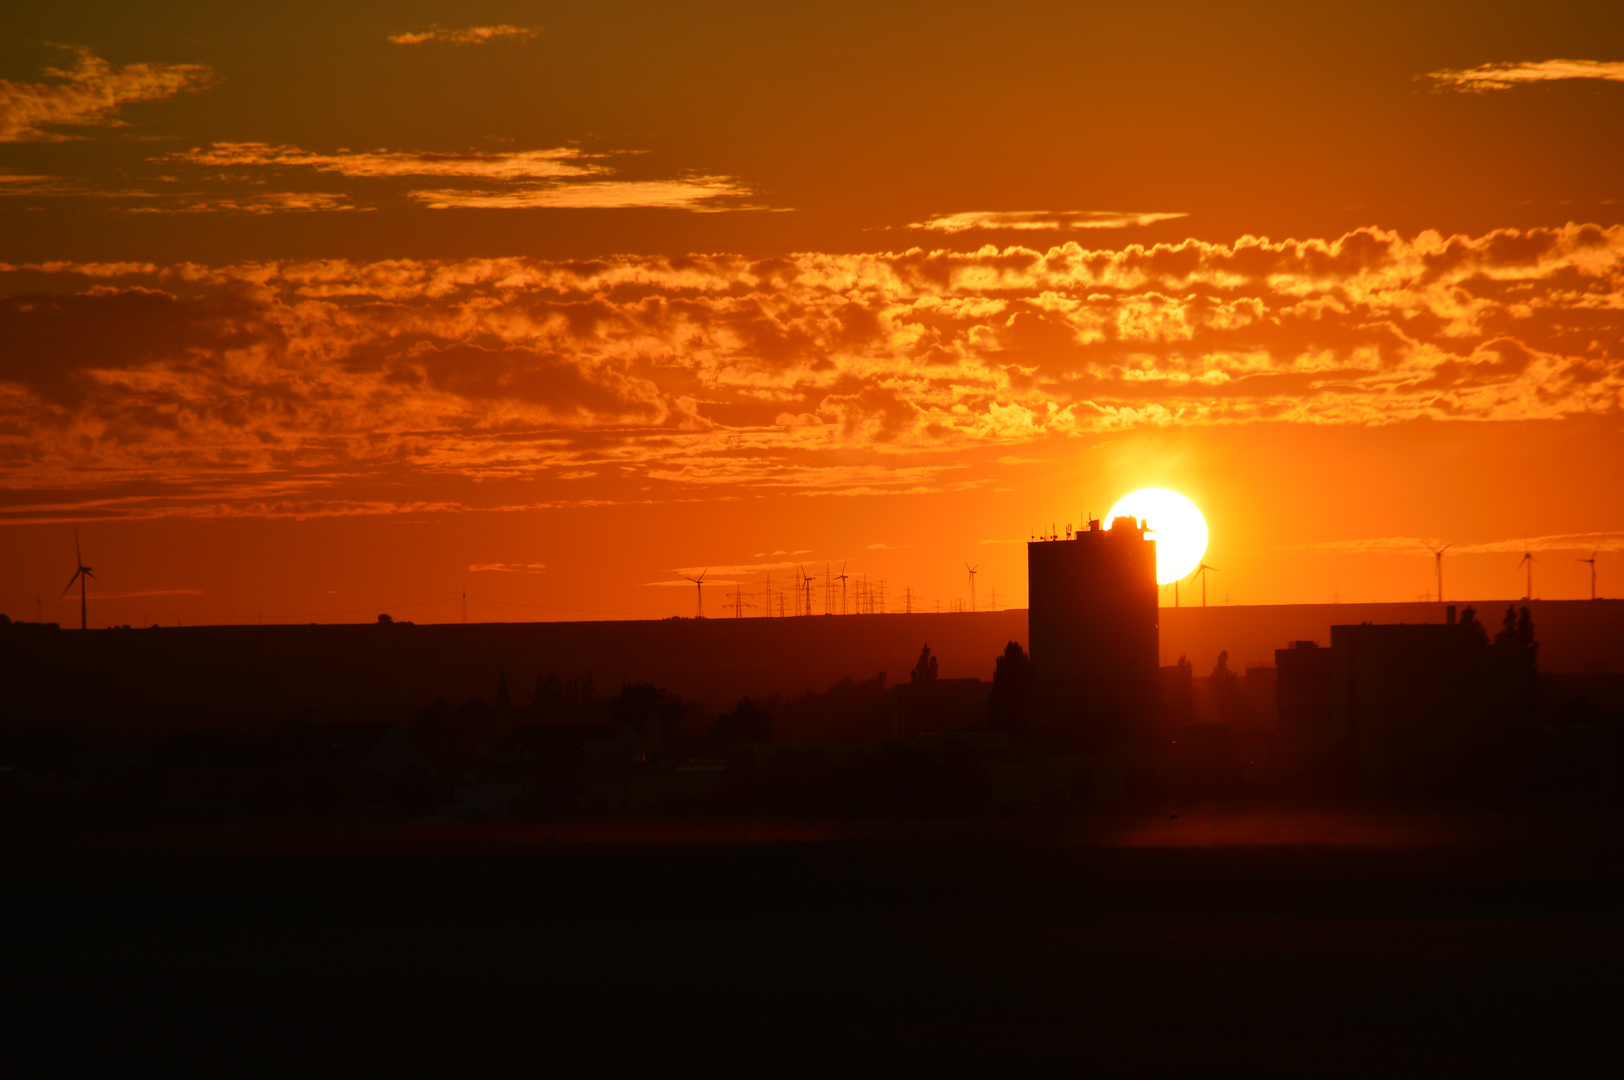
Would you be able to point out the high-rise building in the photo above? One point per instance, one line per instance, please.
(1093, 632)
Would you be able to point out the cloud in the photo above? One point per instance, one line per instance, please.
(329, 387)
(1039, 220)
(556, 178)
(20, 184)
(696, 193)
(271, 202)
(515, 165)
(508, 568)
(473, 35)
(90, 93)
(1505, 76)
(739, 570)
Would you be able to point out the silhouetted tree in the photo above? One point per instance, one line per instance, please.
(580, 697)
(748, 722)
(848, 710)
(925, 670)
(1525, 639)
(549, 698)
(1223, 691)
(1176, 687)
(656, 715)
(1517, 653)
(474, 716)
(385, 620)
(1473, 628)
(1011, 690)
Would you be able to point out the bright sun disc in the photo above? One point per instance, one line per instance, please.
(1178, 527)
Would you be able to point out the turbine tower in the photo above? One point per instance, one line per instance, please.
(1528, 560)
(806, 587)
(972, 570)
(1592, 562)
(80, 575)
(700, 583)
(841, 577)
(1438, 558)
(1202, 570)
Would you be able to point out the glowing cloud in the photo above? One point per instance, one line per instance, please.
(473, 35)
(90, 93)
(697, 193)
(297, 388)
(1505, 76)
(1039, 220)
(518, 165)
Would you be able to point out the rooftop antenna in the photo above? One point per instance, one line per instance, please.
(1592, 562)
(972, 570)
(1202, 570)
(841, 577)
(1528, 560)
(1438, 558)
(699, 612)
(80, 575)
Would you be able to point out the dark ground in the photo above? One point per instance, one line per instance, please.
(1274, 945)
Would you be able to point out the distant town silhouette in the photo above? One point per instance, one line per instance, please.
(1063, 707)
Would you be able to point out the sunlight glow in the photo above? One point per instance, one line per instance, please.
(1178, 527)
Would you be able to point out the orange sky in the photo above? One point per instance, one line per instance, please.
(320, 311)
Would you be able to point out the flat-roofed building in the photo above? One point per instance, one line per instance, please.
(1093, 632)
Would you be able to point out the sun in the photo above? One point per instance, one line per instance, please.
(1178, 527)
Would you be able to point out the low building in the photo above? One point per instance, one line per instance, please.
(1405, 706)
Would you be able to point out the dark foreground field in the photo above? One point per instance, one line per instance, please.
(1274, 945)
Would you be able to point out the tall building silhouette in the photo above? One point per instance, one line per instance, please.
(1093, 632)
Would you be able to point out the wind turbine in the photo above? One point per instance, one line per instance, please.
(1528, 559)
(972, 570)
(1202, 570)
(700, 582)
(806, 583)
(80, 575)
(1592, 562)
(1438, 558)
(841, 577)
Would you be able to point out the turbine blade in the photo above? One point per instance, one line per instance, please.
(71, 581)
